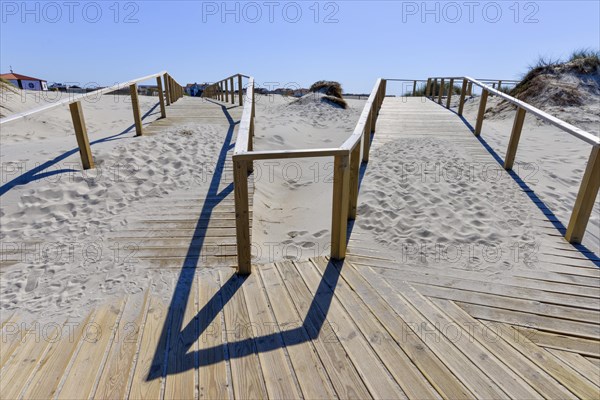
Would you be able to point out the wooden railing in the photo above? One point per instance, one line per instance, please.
(224, 90)
(590, 183)
(347, 159)
(172, 92)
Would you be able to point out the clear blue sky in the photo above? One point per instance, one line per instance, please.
(353, 42)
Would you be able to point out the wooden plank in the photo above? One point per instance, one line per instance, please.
(147, 377)
(246, 373)
(586, 197)
(280, 379)
(579, 365)
(481, 112)
(342, 373)
(212, 371)
(339, 220)
(436, 372)
(161, 97)
(450, 90)
(135, 105)
(513, 143)
(406, 374)
(87, 161)
(180, 380)
(242, 218)
(491, 367)
(44, 382)
(16, 372)
(461, 366)
(88, 362)
(114, 381)
(10, 338)
(167, 89)
(558, 370)
(354, 182)
(573, 344)
(312, 378)
(463, 93)
(373, 372)
(543, 383)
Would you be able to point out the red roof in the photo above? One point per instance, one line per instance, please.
(20, 77)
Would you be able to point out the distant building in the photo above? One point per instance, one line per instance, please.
(25, 82)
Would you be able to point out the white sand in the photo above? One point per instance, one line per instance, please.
(549, 160)
(60, 226)
(292, 199)
(77, 211)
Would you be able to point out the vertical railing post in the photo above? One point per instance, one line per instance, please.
(586, 197)
(240, 91)
(470, 89)
(463, 93)
(441, 92)
(515, 135)
(450, 89)
(81, 134)
(226, 82)
(339, 220)
(135, 104)
(232, 90)
(480, 114)
(367, 137)
(354, 181)
(433, 90)
(161, 99)
(499, 84)
(427, 87)
(167, 89)
(414, 88)
(242, 216)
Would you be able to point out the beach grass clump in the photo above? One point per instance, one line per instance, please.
(332, 92)
(572, 82)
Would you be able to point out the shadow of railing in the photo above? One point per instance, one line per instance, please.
(187, 335)
(38, 173)
(539, 203)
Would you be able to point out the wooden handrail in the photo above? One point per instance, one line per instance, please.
(77, 98)
(173, 91)
(590, 183)
(346, 170)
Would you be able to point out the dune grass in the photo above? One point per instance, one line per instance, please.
(332, 91)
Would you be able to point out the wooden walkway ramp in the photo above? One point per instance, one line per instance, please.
(368, 327)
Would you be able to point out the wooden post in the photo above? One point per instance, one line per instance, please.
(463, 93)
(482, 103)
(441, 93)
(470, 89)
(339, 220)
(354, 181)
(414, 88)
(515, 135)
(240, 91)
(226, 83)
(135, 104)
(81, 134)
(499, 84)
(450, 89)
(433, 90)
(173, 95)
(367, 138)
(161, 99)
(427, 87)
(586, 198)
(242, 217)
(232, 90)
(167, 89)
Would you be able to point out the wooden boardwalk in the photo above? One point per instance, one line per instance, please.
(368, 327)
